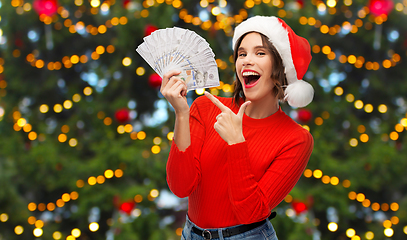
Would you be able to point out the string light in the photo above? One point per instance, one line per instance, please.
(359, 104)
(68, 61)
(94, 226)
(357, 61)
(360, 197)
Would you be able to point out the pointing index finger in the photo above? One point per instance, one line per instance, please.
(216, 101)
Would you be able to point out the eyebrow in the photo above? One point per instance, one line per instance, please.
(255, 47)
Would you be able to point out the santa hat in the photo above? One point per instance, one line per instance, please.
(294, 50)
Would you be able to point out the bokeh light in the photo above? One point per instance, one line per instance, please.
(332, 226)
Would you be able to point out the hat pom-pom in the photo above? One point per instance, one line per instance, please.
(299, 94)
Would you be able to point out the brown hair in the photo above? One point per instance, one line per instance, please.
(277, 74)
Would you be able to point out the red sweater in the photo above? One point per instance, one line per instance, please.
(241, 183)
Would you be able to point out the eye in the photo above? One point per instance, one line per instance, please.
(261, 53)
(242, 54)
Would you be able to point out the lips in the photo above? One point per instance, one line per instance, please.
(250, 77)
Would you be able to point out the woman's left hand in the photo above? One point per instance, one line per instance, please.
(228, 124)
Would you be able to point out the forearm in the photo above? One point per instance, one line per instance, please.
(182, 135)
(248, 200)
(183, 169)
(253, 199)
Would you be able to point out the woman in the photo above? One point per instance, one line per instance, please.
(238, 158)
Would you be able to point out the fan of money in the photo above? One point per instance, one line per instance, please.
(181, 49)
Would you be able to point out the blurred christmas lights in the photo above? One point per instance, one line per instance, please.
(224, 23)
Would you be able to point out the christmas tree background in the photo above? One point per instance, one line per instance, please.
(85, 133)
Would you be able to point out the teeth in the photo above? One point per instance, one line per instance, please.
(250, 74)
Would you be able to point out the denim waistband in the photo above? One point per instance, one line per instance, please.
(189, 225)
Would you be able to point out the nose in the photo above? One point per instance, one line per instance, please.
(247, 61)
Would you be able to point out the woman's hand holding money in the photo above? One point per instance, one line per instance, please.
(174, 90)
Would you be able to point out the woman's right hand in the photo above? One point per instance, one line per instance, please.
(174, 90)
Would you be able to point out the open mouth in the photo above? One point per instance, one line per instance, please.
(250, 78)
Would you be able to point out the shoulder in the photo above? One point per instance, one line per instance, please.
(204, 103)
(204, 109)
(294, 131)
(292, 137)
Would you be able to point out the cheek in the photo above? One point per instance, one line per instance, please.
(239, 80)
(238, 70)
(237, 65)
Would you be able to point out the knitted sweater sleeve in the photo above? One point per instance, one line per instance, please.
(253, 200)
(183, 167)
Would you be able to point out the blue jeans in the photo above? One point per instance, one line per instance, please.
(263, 232)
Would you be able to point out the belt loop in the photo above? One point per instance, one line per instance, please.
(189, 224)
(226, 233)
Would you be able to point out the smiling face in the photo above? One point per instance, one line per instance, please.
(254, 68)
(258, 65)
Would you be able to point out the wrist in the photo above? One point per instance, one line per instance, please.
(237, 140)
(182, 115)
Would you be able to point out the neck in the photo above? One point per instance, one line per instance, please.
(262, 109)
